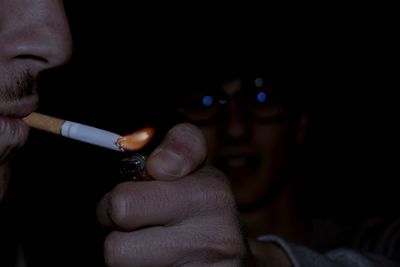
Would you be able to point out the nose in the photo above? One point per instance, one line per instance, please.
(235, 127)
(34, 34)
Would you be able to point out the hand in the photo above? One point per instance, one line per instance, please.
(185, 217)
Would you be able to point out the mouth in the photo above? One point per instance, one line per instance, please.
(238, 160)
(13, 130)
(18, 108)
(14, 133)
(15, 126)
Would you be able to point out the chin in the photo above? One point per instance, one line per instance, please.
(4, 177)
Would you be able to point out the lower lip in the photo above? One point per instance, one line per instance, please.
(15, 127)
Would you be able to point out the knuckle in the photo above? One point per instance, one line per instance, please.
(118, 207)
(218, 175)
(113, 249)
(213, 193)
(217, 183)
(226, 245)
(232, 245)
(233, 249)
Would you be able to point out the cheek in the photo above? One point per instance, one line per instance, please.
(273, 136)
(4, 176)
(275, 143)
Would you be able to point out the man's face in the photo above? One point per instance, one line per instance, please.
(34, 36)
(251, 136)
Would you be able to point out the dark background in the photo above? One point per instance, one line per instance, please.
(125, 74)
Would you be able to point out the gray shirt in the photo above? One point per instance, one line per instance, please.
(301, 256)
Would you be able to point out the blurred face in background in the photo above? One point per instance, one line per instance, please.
(252, 128)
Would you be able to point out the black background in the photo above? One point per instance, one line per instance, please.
(123, 75)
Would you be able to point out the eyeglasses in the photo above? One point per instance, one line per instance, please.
(255, 98)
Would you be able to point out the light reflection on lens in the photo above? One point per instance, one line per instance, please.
(261, 97)
(208, 100)
(258, 82)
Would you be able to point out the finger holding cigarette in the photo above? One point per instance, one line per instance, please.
(89, 134)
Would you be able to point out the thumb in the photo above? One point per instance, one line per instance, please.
(182, 151)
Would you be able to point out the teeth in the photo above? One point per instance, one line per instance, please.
(236, 162)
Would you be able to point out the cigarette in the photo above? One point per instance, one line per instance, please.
(89, 134)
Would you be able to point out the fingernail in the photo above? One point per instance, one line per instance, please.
(169, 163)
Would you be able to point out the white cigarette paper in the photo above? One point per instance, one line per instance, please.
(91, 135)
(73, 130)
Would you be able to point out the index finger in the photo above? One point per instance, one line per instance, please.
(182, 151)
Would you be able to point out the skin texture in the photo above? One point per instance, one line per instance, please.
(185, 217)
(173, 221)
(34, 36)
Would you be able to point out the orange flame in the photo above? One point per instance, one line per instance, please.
(135, 140)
